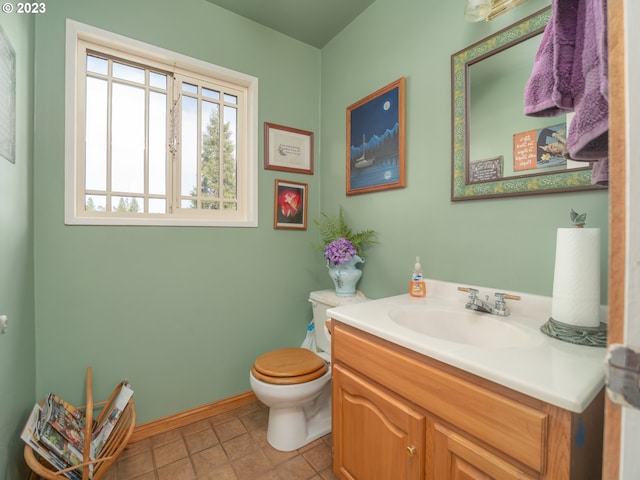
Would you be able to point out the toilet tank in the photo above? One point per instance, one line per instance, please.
(322, 300)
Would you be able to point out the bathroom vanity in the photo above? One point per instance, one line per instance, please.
(410, 405)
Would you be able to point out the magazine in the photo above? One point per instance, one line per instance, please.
(112, 413)
(29, 436)
(55, 430)
(60, 446)
(68, 420)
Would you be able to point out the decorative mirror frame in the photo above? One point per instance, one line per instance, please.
(530, 184)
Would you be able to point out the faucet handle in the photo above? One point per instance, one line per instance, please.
(473, 292)
(501, 305)
(508, 296)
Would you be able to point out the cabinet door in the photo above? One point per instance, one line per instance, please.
(457, 457)
(375, 435)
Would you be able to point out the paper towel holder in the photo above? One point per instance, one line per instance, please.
(577, 334)
(588, 336)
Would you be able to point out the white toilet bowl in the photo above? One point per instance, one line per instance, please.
(295, 383)
(298, 414)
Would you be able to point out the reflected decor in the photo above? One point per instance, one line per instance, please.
(496, 149)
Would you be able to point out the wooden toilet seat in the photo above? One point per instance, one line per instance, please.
(288, 366)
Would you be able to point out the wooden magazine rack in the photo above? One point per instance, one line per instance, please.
(109, 453)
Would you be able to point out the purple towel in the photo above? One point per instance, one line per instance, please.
(549, 91)
(588, 137)
(570, 73)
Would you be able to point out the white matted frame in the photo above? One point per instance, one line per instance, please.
(288, 149)
(7, 99)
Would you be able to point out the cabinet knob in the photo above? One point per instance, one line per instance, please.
(411, 450)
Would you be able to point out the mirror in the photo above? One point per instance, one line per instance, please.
(497, 150)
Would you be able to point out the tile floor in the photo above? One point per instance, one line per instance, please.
(229, 446)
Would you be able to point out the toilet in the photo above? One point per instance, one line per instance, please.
(295, 382)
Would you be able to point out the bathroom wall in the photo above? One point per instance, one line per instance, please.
(181, 312)
(506, 243)
(17, 345)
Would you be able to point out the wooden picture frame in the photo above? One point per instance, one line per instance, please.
(376, 141)
(288, 149)
(290, 205)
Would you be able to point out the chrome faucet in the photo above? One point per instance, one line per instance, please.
(477, 304)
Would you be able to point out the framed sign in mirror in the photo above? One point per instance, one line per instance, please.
(496, 149)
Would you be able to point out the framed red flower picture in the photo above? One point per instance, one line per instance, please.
(290, 210)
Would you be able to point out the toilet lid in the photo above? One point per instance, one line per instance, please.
(289, 366)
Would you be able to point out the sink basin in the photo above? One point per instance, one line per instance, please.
(463, 326)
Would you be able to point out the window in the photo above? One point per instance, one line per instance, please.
(156, 138)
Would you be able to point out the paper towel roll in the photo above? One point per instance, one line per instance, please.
(576, 278)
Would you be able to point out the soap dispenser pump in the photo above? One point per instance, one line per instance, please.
(417, 288)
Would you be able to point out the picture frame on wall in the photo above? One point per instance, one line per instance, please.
(7, 99)
(288, 149)
(290, 205)
(376, 141)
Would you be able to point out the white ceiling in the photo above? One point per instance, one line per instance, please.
(314, 22)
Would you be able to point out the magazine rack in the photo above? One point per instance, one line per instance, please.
(113, 447)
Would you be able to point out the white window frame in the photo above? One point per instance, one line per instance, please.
(247, 214)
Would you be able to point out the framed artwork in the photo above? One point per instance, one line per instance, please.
(7, 99)
(290, 209)
(288, 149)
(376, 141)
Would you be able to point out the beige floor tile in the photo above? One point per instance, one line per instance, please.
(239, 447)
(296, 468)
(229, 446)
(170, 452)
(201, 440)
(209, 459)
(180, 470)
(251, 466)
(134, 466)
(229, 429)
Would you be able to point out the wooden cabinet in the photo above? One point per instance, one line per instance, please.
(381, 437)
(399, 414)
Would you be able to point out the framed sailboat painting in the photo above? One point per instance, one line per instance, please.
(376, 141)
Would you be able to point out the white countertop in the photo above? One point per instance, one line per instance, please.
(560, 373)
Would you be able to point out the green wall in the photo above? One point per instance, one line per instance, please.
(183, 312)
(506, 243)
(17, 346)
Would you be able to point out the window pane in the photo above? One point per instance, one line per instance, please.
(95, 203)
(189, 146)
(210, 155)
(187, 204)
(127, 72)
(230, 98)
(157, 143)
(213, 94)
(230, 163)
(127, 139)
(96, 135)
(189, 88)
(127, 204)
(211, 205)
(97, 65)
(158, 80)
(230, 206)
(157, 205)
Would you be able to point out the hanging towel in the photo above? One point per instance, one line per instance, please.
(570, 73)
(588, 137)
(549, 91)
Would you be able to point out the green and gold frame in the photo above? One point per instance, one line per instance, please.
(463, 185)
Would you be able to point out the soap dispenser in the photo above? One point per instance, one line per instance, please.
(417, 288)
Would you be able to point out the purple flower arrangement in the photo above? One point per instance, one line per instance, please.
(339, 251)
